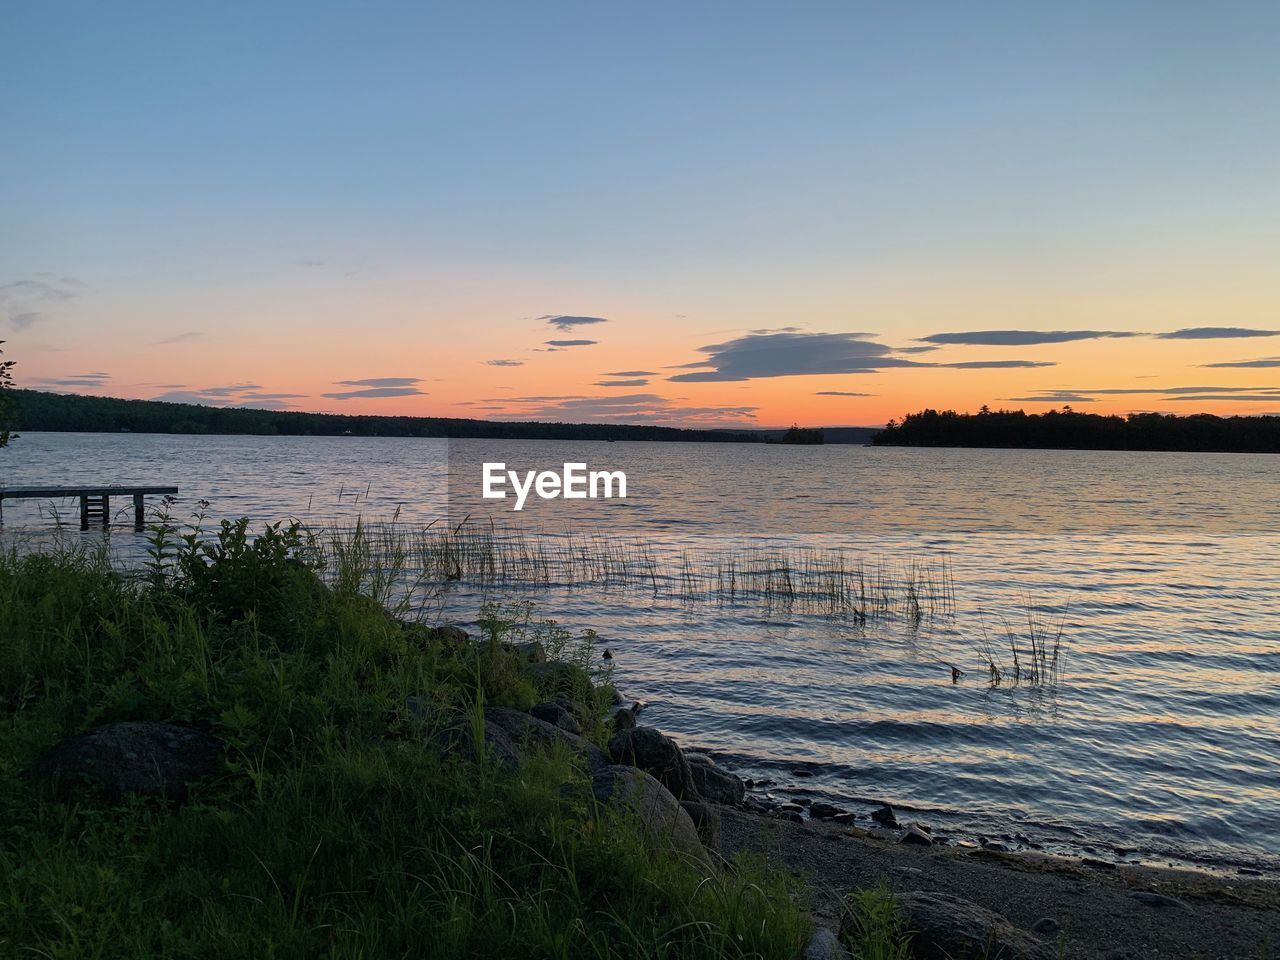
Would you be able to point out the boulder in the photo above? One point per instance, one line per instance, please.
(944, 927)
(696, 759)
(914, 835)
(716, 785)
(665, 822)
(556, 715)
(133, 757)
(531, 733)
(706, 818)
(885, 817)
(530, 652)
(823, 811)
(656, 754)
(824, 945)
(507, 733)
(450, 634)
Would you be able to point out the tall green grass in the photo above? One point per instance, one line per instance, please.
(336, 829)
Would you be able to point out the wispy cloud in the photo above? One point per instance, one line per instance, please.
(25, 302)
(841, 393)
(637, 382)
(642, 408)
(631, 373)
(230, 395)
(380, 382)
(1178, 393)
(505, 363)
(560, 344)
(565, 322)
(185, 337)
(1216, 333)
(90, 381)
(1258, 363)
(375, 392)
(1019, 338)
(791, 354)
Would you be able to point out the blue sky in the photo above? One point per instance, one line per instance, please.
(259, 175)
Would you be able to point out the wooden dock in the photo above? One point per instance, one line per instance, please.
(95, 502)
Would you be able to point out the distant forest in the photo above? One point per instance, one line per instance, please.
(1069, 430)
(36, 410)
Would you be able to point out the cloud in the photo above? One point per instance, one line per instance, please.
(1179, 393)
(505, 363)
(186, 337)
(1216, 333)
(792, 354)
(375, 392)
(1020, 338)
(380, 382)
(841, 393)
(631, 373)
(571, 343)
(1052, 398)
(92, 380)
(642, 408)
(564, 322)
(993, 364)
(637, 382)
(231, 395)
(1260, 362)
(24, 301)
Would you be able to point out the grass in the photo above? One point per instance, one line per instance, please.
(834, 582)
(335, 830)
(1035, 651)
(875, 927)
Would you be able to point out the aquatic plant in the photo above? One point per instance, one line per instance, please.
(831, 581)
(1035, 649)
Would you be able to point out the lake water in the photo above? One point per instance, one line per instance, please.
(1157, 741)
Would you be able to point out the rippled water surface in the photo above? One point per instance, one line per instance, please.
(1158, 741)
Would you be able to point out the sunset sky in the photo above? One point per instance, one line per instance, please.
(705, 213)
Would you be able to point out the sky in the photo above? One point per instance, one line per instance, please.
(694, 214)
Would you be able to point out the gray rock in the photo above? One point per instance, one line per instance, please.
(665, 822)
(944, 927)
(531, 652)
(507, 734)
(1160, 901)
(556, 715)
(707, 819)
(790, 816)
(531, 733)
(1046, 927)
(656, 754)
(914, 835)
(134, 757)
(823, 811)
(824, 945)
(449, 633)
(698, 759)
(885, 817)
(717, 785)
(790, 808)
(623, 720)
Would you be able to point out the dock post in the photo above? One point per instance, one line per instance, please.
(106, 510)
(139, 517)
(84, 512)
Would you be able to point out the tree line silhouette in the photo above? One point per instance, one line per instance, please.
(1068, 429)
(35, 410)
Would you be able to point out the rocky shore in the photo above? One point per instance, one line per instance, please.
(958, 901)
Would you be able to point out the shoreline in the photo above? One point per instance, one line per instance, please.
(1068, 906)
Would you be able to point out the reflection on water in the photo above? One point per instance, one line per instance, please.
(1161, 733)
